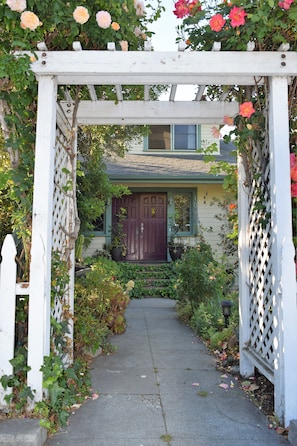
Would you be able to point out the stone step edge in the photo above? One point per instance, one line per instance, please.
(22, 432)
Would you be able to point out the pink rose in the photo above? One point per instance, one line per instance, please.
(237, 16)
(17, 5)
(285, 4)
(124, 45)
(217, 22)
(103, 19)
(139, 6)
(181, 9)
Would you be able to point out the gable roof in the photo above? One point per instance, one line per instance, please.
(157, 167)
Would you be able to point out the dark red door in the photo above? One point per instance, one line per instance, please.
(145, 226)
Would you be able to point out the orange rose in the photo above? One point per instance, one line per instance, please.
(115, 26)
(246, 109)
(29, 20)
(81, 15)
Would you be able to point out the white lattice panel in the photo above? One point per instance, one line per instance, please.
(260, 264)
(62, 212)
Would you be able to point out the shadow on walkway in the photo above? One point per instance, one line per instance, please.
(161, 388)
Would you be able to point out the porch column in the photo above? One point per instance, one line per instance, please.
(40, 267)
(246, 366)
(283, 266)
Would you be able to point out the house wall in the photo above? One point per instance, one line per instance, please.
(203, 217)
(207, 210)
(207, 138)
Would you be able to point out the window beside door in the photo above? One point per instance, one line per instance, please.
(180, 212)
(99, 224)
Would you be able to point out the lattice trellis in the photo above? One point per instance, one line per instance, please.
(63, 218)
(260, 263)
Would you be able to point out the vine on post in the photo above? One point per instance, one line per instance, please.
(242, 25)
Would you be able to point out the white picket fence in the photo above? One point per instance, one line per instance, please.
(9, 291)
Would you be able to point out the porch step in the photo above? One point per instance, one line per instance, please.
(151, 279)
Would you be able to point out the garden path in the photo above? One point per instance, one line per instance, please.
(161, 388)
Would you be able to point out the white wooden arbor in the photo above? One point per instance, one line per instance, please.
(92, 68)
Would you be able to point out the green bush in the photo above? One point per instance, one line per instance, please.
(200, 278)
(202, 283)
(100, 304)
(207, 319)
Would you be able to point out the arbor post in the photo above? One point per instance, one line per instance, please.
(40, 266)
(283, 265)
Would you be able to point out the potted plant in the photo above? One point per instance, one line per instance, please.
(118, 247)
(175, 245)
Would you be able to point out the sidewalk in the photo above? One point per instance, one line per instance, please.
(148, 392)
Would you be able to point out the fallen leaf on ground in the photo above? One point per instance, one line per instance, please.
(224, 386)
(75, 406)
(253, 387)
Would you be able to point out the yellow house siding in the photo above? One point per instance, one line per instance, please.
(207, 212)
(207, 139)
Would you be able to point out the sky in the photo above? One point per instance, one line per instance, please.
(164, 40)
(164, 28)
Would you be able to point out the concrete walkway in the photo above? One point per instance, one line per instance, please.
(161, 389)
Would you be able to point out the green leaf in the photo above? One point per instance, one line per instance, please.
(19, 43)
(26, 393)
(63, 417)
(54, 392)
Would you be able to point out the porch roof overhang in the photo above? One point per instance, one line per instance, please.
(167, 180)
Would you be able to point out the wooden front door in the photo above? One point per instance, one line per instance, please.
(145, 226)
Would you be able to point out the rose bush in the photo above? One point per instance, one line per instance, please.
(237, 25)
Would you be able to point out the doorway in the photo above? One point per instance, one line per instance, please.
(145, 225)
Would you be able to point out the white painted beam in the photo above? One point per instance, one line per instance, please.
(200, 92)
(119, 92)
(172, 92)
(151, 112)
(146, 92)
(92, 93)
(157, 68)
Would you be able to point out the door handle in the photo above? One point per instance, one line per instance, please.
(141, 228)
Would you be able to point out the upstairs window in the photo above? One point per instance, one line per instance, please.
(185, 137)
(175, 137)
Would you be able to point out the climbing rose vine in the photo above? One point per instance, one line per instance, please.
(57, 23)
(239, 25)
